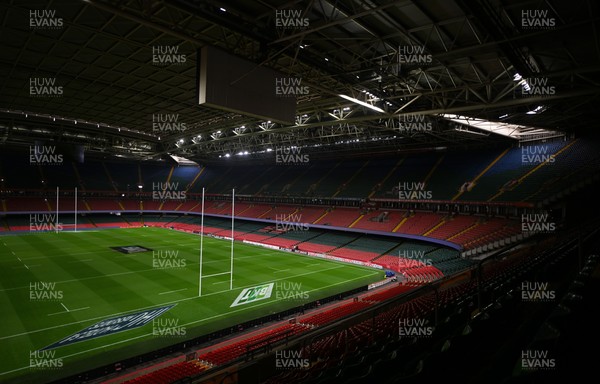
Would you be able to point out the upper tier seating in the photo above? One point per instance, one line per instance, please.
(358, 178)
(511, 166)
(502, 175)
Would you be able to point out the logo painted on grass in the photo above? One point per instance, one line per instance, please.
(131, 249)
(45, 360)
(287, 359)
(45, 155)
(44, 87)
(250, 295)
(168, 327)
(44, 222)
(537, 291)
(44, 291)
(112, 325)
(413, 191)
(537, 19)
(167, 259)
(44, 19)
(414, 328)
(535, 360)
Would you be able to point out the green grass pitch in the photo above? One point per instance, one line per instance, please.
(53, 285)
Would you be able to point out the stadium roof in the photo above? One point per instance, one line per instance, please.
(383, 75)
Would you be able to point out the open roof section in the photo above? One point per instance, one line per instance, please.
(408, 58)
(514, 131)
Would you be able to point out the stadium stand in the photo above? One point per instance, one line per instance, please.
(171, 373)
(235, 350)
(453, 226)
(418, 224)
(326, 242)
(437, 221)
(288, 226)
(509, 167)
(364, 248)
(339, 217)
(368, 343)
(380, 220)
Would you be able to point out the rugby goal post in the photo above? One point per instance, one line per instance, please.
(230, 272)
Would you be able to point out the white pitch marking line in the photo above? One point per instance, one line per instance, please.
(178, 290)
(166, 303)
(222, 282)
(150, 334)
(72, 310)
(217, 274)
(20, 259)
(26, 266)
(67, 309)
(12, 252)
(281, 270)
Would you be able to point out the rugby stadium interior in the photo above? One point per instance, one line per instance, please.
(302, 191)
